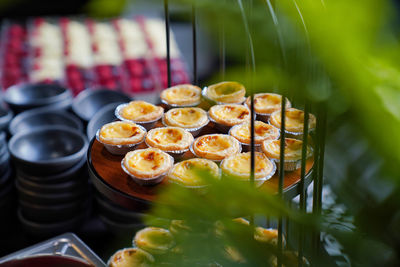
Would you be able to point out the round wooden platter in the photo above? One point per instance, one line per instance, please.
(110, 180)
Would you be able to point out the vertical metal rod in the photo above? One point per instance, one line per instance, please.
(194, 42)
(321, 165)
(281, 175)
(167, 31)
(302, 205)
(316, 167)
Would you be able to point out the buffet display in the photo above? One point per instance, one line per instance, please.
(126, 54)
(148, 145)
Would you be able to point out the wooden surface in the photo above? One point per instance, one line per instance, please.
(108, 168)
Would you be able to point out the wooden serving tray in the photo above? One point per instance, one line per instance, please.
(109, 178)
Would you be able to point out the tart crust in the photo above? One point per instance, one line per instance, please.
(215, 146)
(169, 138)
(189, 118)
(294, 120)
(267, 103)
(262, 132)
(183, 94)
(293, 149)
(131, 257)
(226, 92)
(141, 111)
(148, 237)
(229, 114)
(147, 163)
(239, 166)
(121, 133)
(183, 172)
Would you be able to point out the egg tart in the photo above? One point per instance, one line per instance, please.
(265, 235)
(181, 95)
(267, 103)
(215, 147)
(121, 136)
(294, 122)
(225, 116)
(262, 132)
(147, 166)
(190, 119)
(170, 139)
(154, 240)
(226, 92)
(184, 172)
(293, 151)
(131, 257)
(238, 167)
(140, 112)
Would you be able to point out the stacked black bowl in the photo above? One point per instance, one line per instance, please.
(51, 177)
(22, 97)
(7, 192)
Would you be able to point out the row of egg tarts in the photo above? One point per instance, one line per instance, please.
(151, 245)
(151, 165)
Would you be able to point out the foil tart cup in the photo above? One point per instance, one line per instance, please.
(148, 125)
(120, 149)
(194, 131)
(146, 181)
(257, 181)
(151, 258)
(169, 106)
(214, 102)
(216, 161)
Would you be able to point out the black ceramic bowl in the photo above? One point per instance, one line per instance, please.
(88, 102)
(38, 229)
(64, 187)
(103, 116)
(46, 116)
(47, 150)
(26, 96)
(49, 198)
(53, 213)
(77, 172)
(5, 117)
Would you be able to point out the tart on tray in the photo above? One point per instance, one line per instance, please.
(294, 122)
(154, 240)
(293, 151)
(267, 103)
(190, 119)
(228, 115)
(181, 95)
(120, 136)
(215, 147)
(262, 132)
(140, 112)
(226, 92)
(147, 166)
(238, 167)
(173, 140)
(184, 172)
(131, 257)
